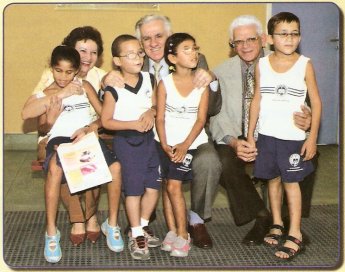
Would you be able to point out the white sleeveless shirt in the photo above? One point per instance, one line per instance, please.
(131, 104)
(75, 115)
(181, 114)
(282, 94)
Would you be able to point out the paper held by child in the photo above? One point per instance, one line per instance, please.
(84, 164)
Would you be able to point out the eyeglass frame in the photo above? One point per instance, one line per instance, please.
(140, 54)
(188, 51)
(249, 41)
(285, 35)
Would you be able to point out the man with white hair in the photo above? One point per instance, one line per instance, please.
(229, 127)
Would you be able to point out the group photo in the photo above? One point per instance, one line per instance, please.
(163, 136)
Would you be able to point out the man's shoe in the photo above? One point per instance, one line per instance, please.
(257, 234)
(200, 236)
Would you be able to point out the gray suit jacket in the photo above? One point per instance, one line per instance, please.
(229, 120)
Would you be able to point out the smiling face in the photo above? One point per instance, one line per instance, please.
(63, 73)
(88, 55)
(153, 38)
(248, 51)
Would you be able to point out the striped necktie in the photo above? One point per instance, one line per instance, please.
(157, 68)
(247, 99)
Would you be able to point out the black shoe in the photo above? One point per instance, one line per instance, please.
(200, 236)
(257, 234)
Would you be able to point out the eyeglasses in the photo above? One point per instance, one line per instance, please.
(286, 35)
(240, 43)
(133, 55)
(189, 50)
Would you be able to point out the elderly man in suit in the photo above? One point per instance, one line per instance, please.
(153, 31)
(228, 128)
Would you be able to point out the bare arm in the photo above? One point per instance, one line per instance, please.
(35, 107)
(309, 147)
(113, 79)
(92, 96)
(160, 119)
(254, 108)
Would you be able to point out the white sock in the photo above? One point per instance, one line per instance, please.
(194, 218)
(144, 222)
(137, 231)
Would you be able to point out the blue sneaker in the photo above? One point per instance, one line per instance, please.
(114, 238)
(52, 249)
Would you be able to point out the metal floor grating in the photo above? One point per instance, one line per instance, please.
(24, 242)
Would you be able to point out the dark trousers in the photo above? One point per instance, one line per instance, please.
(244, 200)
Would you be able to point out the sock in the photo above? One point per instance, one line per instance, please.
(137, 231)
(144, 222)
(194, 218)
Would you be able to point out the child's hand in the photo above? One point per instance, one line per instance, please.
(139, 126)
(251, 141)
(308, 149)
(180, 151)
(148, 119)
(73, 88)
(54, 109)
(168, 150)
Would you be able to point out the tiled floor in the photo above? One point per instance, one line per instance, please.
(23, 200)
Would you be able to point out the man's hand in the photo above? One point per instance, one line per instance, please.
(244, 150)
(202, 78)
(303, 119)
(114, 79)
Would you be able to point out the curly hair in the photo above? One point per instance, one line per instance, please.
(82, 34)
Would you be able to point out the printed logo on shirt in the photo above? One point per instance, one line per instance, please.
(281, 90)
(294, 161)
(148, 93)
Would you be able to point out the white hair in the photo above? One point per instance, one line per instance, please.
(148, 18)
(245, 20)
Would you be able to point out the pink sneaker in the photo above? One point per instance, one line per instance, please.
(180, 247)
(168, 241)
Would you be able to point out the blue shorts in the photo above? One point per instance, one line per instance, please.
(109, 155)
(137, 153)
(280, 158)
(178, 171)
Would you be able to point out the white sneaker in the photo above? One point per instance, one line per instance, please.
(180, 247)
(152, 240)
(168, 241)
(138, 248)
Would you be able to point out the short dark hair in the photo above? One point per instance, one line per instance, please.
(68, 53)
(173, 42)
(115, 46)
(279, 18)
(85, 33)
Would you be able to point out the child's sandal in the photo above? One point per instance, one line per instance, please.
(290, 251)
(274, 237)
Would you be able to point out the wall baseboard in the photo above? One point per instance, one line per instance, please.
(20, 141)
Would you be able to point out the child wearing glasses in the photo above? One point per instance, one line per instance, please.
(180, 120)
(130, 111)
(282, 81)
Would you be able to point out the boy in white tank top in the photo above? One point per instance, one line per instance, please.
(282, 81)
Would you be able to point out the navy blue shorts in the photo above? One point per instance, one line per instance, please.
(178, 171)
(280, 158)
(109, 155)
(139, 160)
